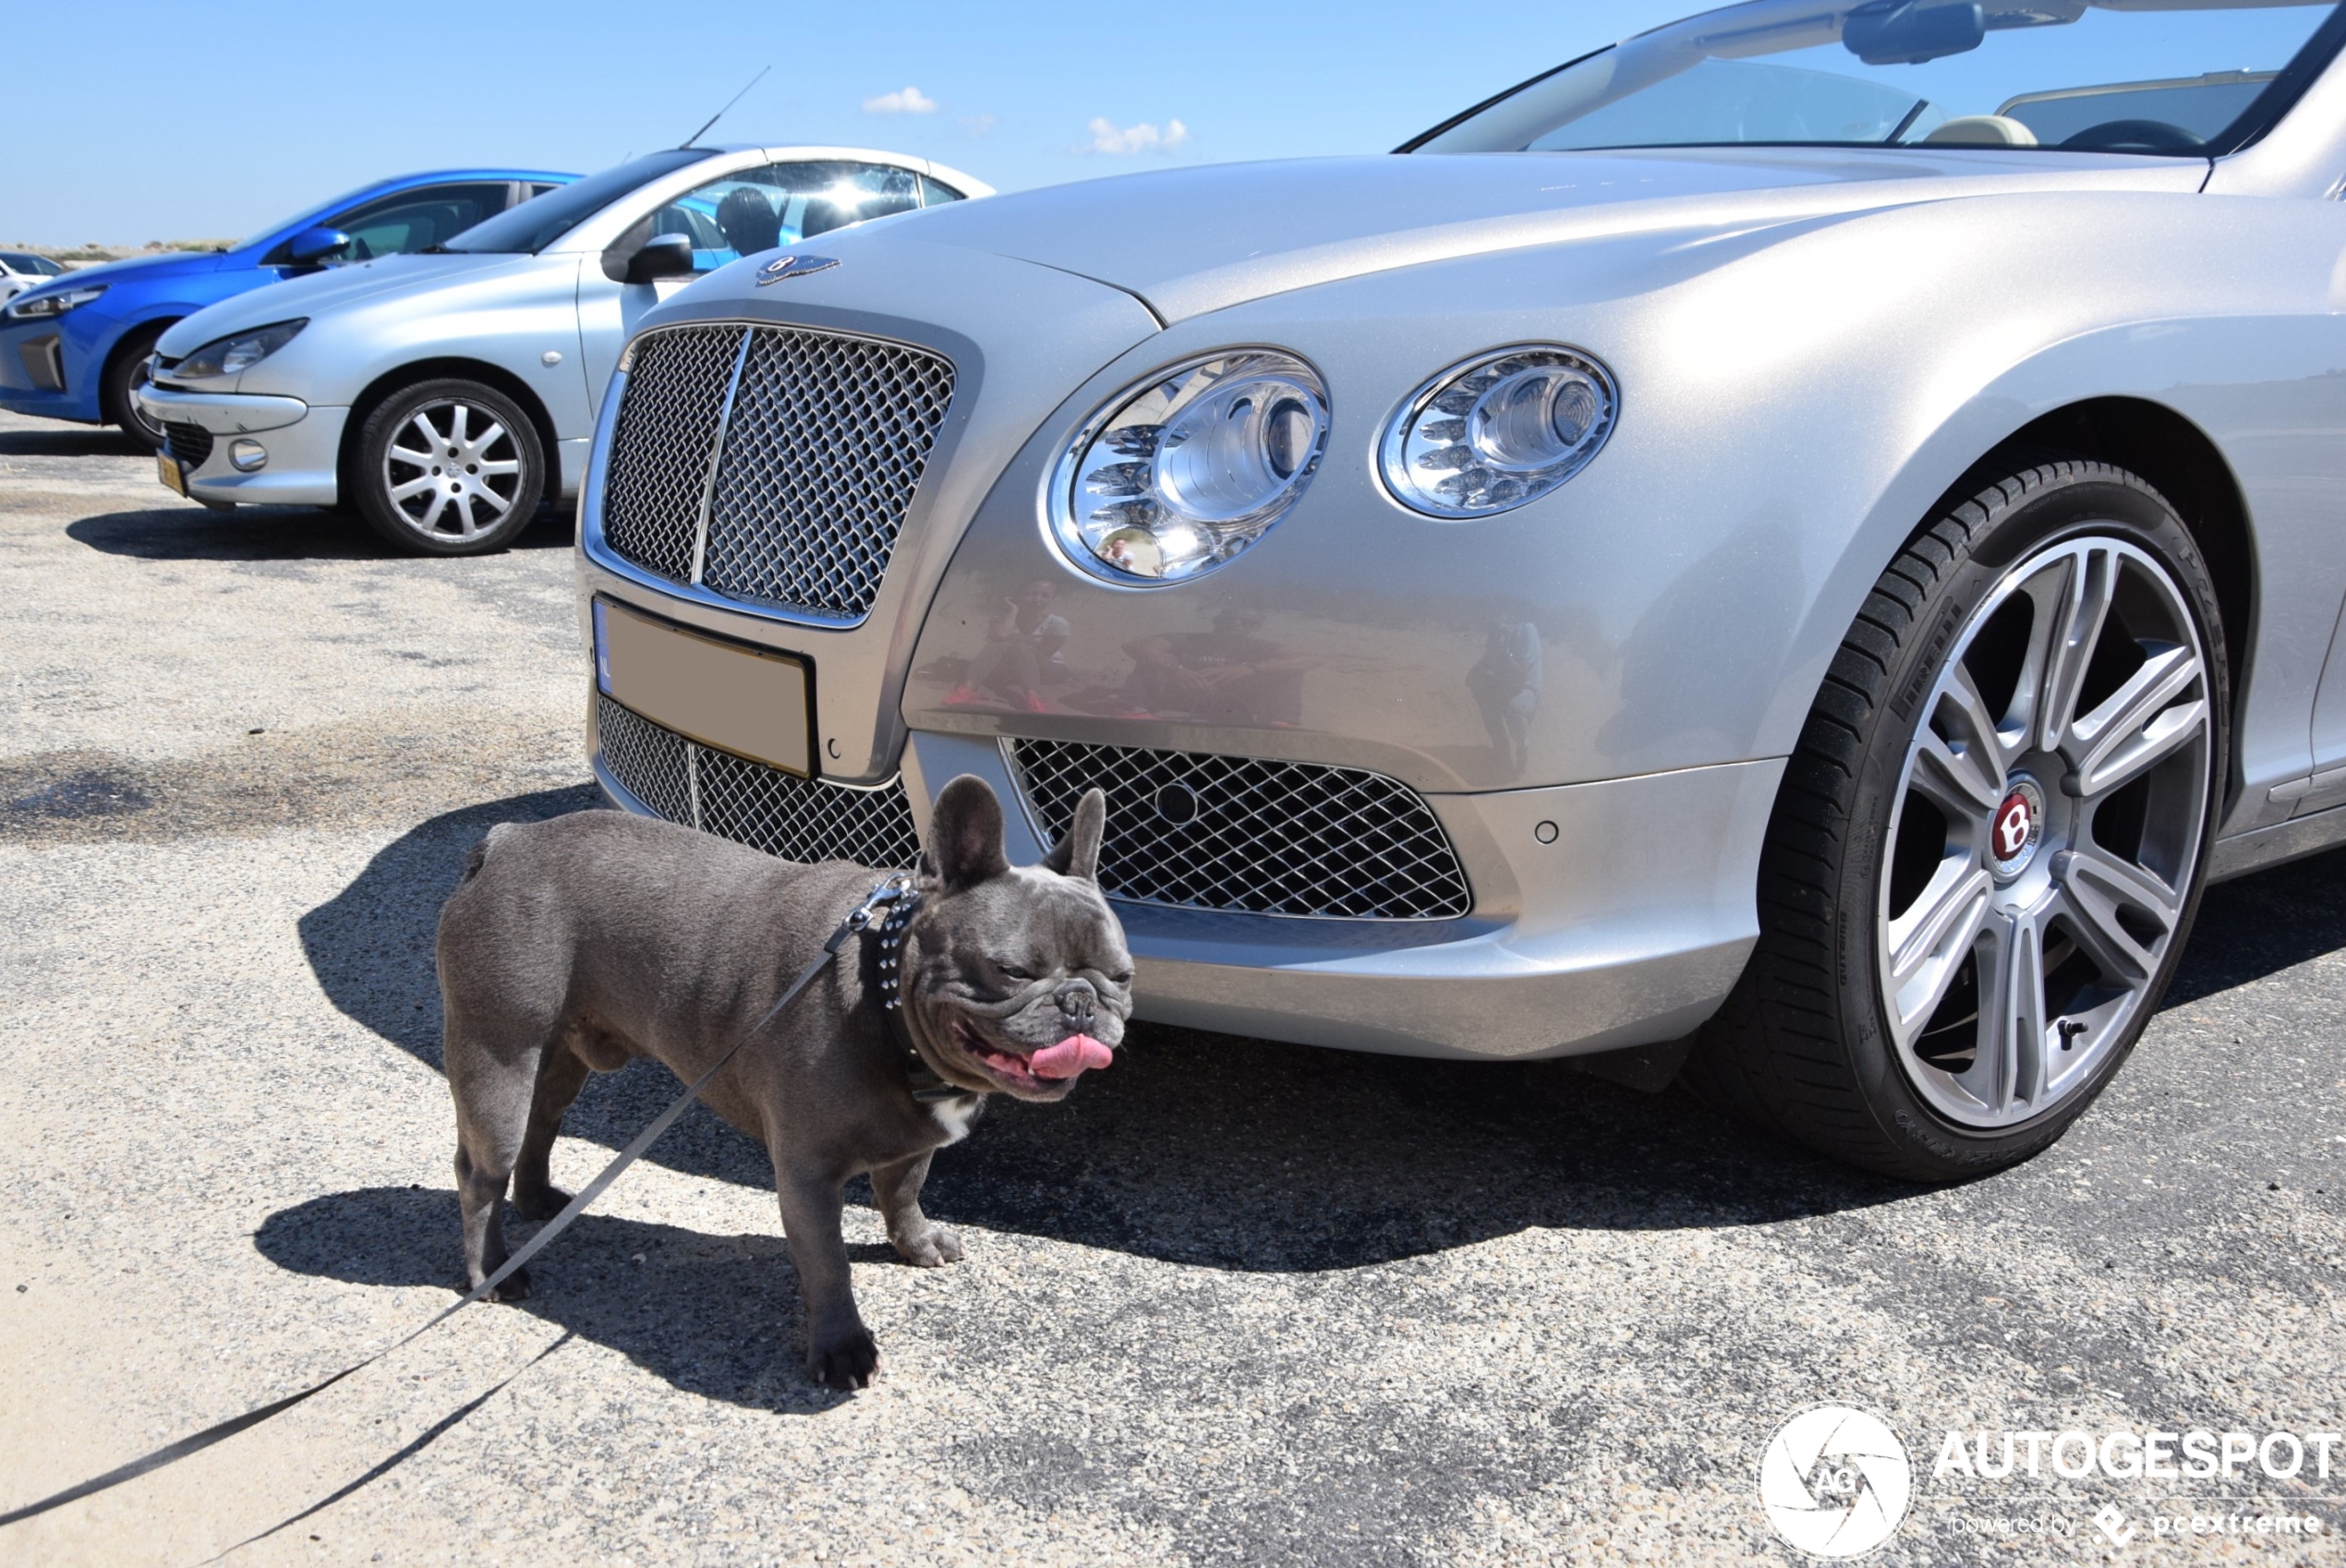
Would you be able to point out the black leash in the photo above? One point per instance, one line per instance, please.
(895, 887)
(429, 1435)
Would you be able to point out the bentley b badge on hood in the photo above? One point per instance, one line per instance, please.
(792, 265)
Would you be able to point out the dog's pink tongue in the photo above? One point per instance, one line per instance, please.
(1069, 1057)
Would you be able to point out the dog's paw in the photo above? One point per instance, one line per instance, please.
(847, 1363)
(514, 1287)
(933, 1249)
(542, 1205)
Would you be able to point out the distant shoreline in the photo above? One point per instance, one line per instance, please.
(73, 256)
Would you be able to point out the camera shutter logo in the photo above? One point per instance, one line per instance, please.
(1835, 1481)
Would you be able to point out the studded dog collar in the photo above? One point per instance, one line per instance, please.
(887, 950)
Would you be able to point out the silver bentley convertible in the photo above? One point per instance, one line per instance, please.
(1797, 543)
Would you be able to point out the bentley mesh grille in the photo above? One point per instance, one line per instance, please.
(660, 446)
(798, 819)
(820, 441)
(1205, 831)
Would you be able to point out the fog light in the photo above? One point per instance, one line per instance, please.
(248, 457)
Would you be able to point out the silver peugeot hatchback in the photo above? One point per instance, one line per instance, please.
(1799, 542)
(445, 395)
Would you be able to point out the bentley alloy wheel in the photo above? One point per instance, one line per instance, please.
(1989, 845)
(448, 468)
(2045, 833)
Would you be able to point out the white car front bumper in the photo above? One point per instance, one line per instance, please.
(302, 445)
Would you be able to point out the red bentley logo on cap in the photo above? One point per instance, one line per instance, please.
(2013, 822)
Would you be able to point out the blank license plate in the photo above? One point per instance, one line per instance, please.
(752, 701)
(167, 470)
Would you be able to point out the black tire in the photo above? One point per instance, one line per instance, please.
(488, 456)
(1804, 1045)
(126, 372)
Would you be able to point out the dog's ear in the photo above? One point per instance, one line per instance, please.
(1078, 854)
(965, 835)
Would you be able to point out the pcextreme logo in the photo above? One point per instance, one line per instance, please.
(1835, 1481)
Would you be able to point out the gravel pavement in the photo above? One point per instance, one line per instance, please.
(1234, 1302)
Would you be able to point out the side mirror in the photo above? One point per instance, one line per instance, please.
(311, 246)
(662, 256)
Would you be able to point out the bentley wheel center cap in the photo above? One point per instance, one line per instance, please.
(2016, 828)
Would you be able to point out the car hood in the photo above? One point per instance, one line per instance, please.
(1187, 241)
(338, 288)
(171, 264)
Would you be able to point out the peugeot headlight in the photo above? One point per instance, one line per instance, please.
(1182, 472)
(32, 306)
(237, 353)
(1498, 431)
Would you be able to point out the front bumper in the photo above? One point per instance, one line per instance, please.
(1627, 927)
(304, 443)
(46, 369)
(1605, 915)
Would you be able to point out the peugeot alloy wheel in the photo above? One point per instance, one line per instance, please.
(448, 468)
(1989, 844)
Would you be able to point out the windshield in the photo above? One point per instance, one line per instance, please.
(2158, 76)
(23, 261)
(540, 221)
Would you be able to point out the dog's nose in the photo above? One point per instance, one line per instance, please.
(1079, 1002)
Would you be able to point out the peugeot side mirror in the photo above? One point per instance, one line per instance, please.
(662, 256)
(311, 246)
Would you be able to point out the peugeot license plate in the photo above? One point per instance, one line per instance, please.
(752, 702)
(167, 470)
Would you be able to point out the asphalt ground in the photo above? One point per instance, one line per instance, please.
(1235, 1302)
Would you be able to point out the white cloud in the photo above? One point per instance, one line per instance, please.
(1142, 137)
(903, 101)
(979, 124)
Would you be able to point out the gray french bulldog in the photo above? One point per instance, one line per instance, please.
(577, 944)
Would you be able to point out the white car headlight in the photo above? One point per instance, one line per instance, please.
(1498, 431)
(1184, 472)
(38, 305)
(237, 352)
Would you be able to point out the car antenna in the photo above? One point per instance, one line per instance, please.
(720, 113)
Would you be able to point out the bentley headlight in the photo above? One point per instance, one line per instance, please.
(36, 306)
(238, 353)
(1183, 473)
(1498, 431)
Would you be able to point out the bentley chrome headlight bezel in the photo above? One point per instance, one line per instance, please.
(1498, 431)
(1137, 497)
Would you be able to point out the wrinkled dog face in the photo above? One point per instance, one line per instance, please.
(1017, 977)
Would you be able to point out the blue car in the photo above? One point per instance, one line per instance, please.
(75, 346)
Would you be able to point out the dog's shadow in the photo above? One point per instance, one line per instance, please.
(716, 1316)
(1193, 1149)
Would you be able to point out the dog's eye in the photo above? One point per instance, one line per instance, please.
(1012, 972)
(1123, 979)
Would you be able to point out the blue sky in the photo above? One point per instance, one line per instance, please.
(143, 121)
(150, 121)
